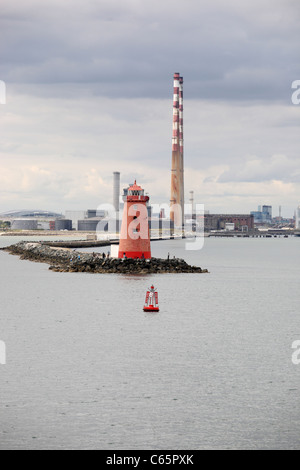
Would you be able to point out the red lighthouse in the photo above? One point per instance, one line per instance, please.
(135, 234)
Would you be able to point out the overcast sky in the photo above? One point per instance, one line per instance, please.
(89, 92)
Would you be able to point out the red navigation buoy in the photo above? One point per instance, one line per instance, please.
(151, 302)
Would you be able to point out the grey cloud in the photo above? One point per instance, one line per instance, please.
(223, 50)
(256, 170)
(74, 69)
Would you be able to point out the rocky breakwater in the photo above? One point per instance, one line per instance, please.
(64, 260)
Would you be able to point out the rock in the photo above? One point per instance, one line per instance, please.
(61, 261)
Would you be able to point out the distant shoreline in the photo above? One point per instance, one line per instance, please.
(45, 233)
(93, 236)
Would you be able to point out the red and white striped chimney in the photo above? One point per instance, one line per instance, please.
(181, 146)
(181, 115)
(177, 184)
(175, 140)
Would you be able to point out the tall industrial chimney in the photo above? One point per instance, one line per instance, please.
(192, 202)
(177, 172)
(116, 191)
(181, 146)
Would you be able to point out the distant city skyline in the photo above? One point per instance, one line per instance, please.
(90, 87)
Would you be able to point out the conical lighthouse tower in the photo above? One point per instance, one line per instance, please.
(135, 234)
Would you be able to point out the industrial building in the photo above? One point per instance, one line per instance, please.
(36, 220)
(221, 221)
(24, 224)
(92, 224)
(82, 216)
(38, 224)
(157, 223)
(263, 215)
(75, 216)
(63, 224)
(30, 214)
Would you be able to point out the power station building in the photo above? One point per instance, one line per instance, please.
(263, 215)
(63, 224)
(82, 220)
(24, 224)
(220, 221)
(92, 225)
(36, 220)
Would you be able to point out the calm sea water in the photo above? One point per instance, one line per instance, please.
(87, 368)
